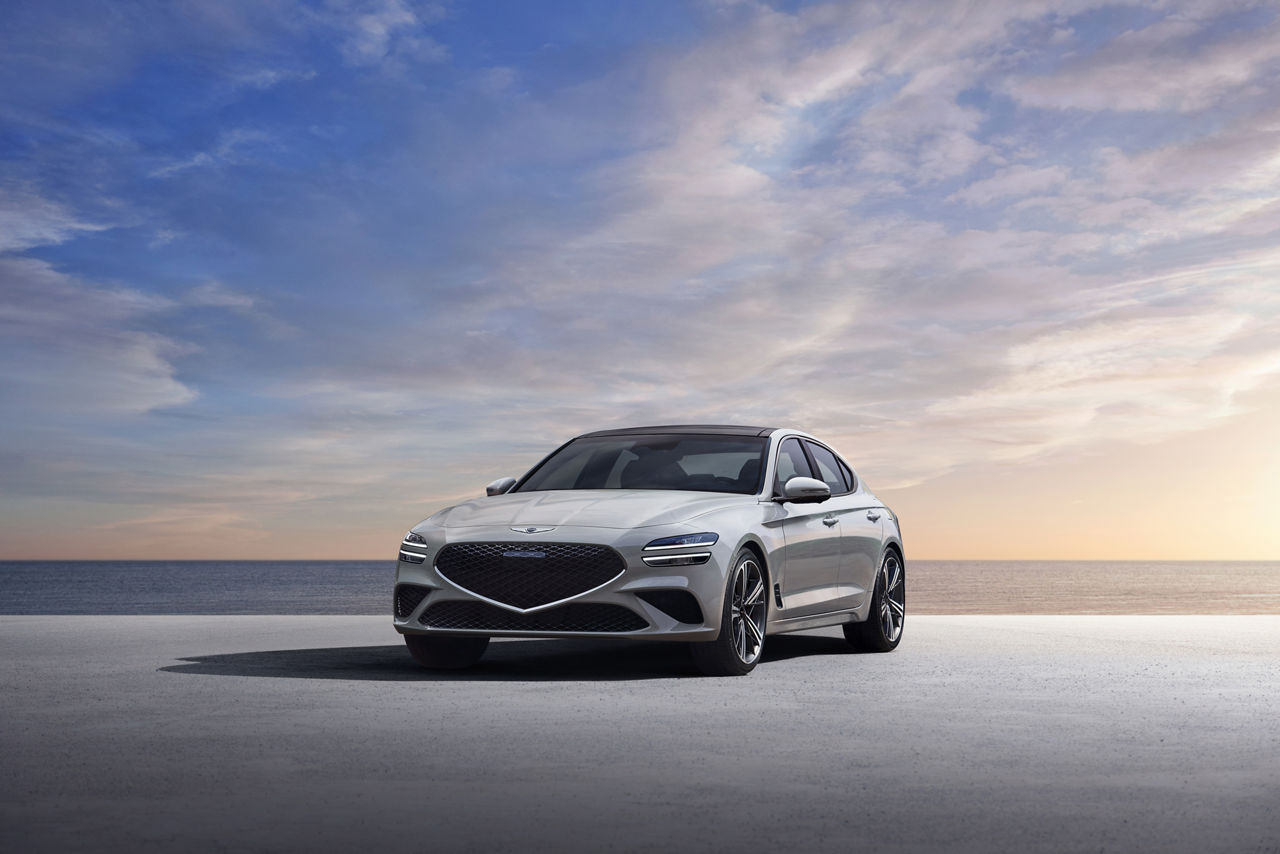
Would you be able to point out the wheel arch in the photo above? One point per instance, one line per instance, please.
(894, 545)
(756, 547)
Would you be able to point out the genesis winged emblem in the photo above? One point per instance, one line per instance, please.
(532, 529)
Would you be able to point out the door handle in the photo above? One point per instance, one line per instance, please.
(829, 521)
(873, 516)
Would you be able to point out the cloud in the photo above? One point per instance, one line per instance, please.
(269, 78)
(1177, 63)
(1220, 179)
(1014, 181)
(71, 348)
(27, 220)
(1242, 157)
(233, 146)
(1137, 379)
(200, 158)
(387, 30)
(731, 272)
(214, 293)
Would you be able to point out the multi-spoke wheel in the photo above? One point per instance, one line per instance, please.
(882, 630)
(737, 649)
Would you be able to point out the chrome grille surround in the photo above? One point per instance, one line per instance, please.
(528, 575)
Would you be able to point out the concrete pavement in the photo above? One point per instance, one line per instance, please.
(1005, 733)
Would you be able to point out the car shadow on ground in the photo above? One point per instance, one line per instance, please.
(506, 661)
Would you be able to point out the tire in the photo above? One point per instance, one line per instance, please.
(446, 652)
(742, 626)
(882, 630)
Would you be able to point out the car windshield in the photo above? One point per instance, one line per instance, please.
(685, 462)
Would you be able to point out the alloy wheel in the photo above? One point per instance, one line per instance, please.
(747, 611)
(893, 601)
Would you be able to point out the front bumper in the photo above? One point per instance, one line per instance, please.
(641, 602)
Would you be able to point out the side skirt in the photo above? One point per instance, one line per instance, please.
(812, 621)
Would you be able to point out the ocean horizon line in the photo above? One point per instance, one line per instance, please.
(365, 586)
(392, 558)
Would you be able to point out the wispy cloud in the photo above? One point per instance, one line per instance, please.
(1013, 182)
(214, 293)
(1182, 62)
(385, 31)
(267, 78)
(233, 146)
(72, 348)
(28, 220)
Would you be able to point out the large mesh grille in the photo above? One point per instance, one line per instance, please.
(408, 597)
(528, 574)
(574, 617)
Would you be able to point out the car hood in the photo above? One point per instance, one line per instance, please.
(592, 508)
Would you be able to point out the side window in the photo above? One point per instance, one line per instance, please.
(848, 475)
(791, 462)
(828, 468)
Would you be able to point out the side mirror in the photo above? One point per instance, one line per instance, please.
(805, 490)
(500, 486)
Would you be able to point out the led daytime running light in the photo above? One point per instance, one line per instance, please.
(683, 541)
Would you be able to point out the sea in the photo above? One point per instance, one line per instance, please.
(364, 587)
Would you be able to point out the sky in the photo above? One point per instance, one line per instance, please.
(278, 280)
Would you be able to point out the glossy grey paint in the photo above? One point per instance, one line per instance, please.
(825, 570)
(500, 486)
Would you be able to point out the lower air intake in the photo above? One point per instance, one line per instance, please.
(680, 605)
(408, 597)
(578, 617)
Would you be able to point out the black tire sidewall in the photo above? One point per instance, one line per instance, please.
(868, 635)
(878, 602)
(720, 656)
(726, 621)
(885, 593)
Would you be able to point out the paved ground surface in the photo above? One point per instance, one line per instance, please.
(1018, 734)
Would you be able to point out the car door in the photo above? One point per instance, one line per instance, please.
(811, 532)
(861, 531)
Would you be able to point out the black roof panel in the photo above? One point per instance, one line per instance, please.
(706, 429)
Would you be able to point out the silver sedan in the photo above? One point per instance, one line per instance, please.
(714, 535)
